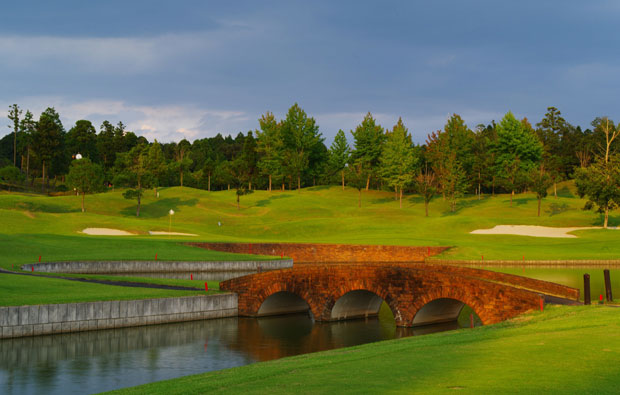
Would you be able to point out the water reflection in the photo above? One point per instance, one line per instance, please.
(88, 362)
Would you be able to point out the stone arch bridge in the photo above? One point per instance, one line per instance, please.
(417, 294)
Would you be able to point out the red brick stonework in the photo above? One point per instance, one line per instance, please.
(336, 253)
(406, 288)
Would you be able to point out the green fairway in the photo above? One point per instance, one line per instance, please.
(51, 227)
(563, 350)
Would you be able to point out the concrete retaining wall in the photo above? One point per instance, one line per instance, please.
(108, 267)
(17, 321)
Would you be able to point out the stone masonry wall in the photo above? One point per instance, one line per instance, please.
(329, 253)
(17, 321)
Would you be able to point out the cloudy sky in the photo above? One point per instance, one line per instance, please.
(191, 69)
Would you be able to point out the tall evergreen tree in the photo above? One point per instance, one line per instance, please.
(450, 155)
(368, 143)
(48, 139)
(82, 139)
(339, 154)
(300, 135)
(28, 126)
(551, 130)
(269, 146)
(14, 113)
(397, 161)
(517, 150)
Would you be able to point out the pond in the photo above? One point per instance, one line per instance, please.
(88, 362)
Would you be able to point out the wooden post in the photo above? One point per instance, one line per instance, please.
(607, 285)
(586, 289)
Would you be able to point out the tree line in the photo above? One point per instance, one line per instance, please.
(510, 156)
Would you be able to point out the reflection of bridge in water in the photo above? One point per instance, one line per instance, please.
(417, 294)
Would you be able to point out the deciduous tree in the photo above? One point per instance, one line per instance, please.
(85, 176)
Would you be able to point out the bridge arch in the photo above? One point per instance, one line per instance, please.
(358, 302)
(282, 298)
(445, 305)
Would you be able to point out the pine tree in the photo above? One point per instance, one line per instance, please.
(517, 150)
(397, 161)
(269, 145)
(339, 154)
(368, 144)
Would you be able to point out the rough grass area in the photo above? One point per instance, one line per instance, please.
(563, 350)
(29, 290)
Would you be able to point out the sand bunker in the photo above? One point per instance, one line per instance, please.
(157, 233)
(530, 230)
(106, 232)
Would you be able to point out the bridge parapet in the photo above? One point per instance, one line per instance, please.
(329, 253)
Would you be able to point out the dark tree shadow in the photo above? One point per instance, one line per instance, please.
(557, 208)
(159, 208)
(319, 188)
(47, 208)
(265, 202)
(461, 205)
(565, 192)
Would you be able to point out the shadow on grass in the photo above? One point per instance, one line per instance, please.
(565, 192)
(159, 208)
(319, 188)
(461, 205)
(557, 208)
(46, 208)
(265, 202)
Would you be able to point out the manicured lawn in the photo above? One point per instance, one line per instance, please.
(27, 290)
(51, 227)
(562, 350)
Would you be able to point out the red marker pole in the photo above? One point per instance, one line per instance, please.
(600, 299)
(39, 258)
(281, 255)
(482, 258)
(191, 276)
(32, 270)
(155, 256)
(541, 304)
(206, 287)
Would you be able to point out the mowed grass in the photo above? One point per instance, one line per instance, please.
(19, 290)
(562, 350)
(50, 227)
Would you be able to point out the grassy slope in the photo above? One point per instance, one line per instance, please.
(49, 226)
(318, 214)
(563, 350)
